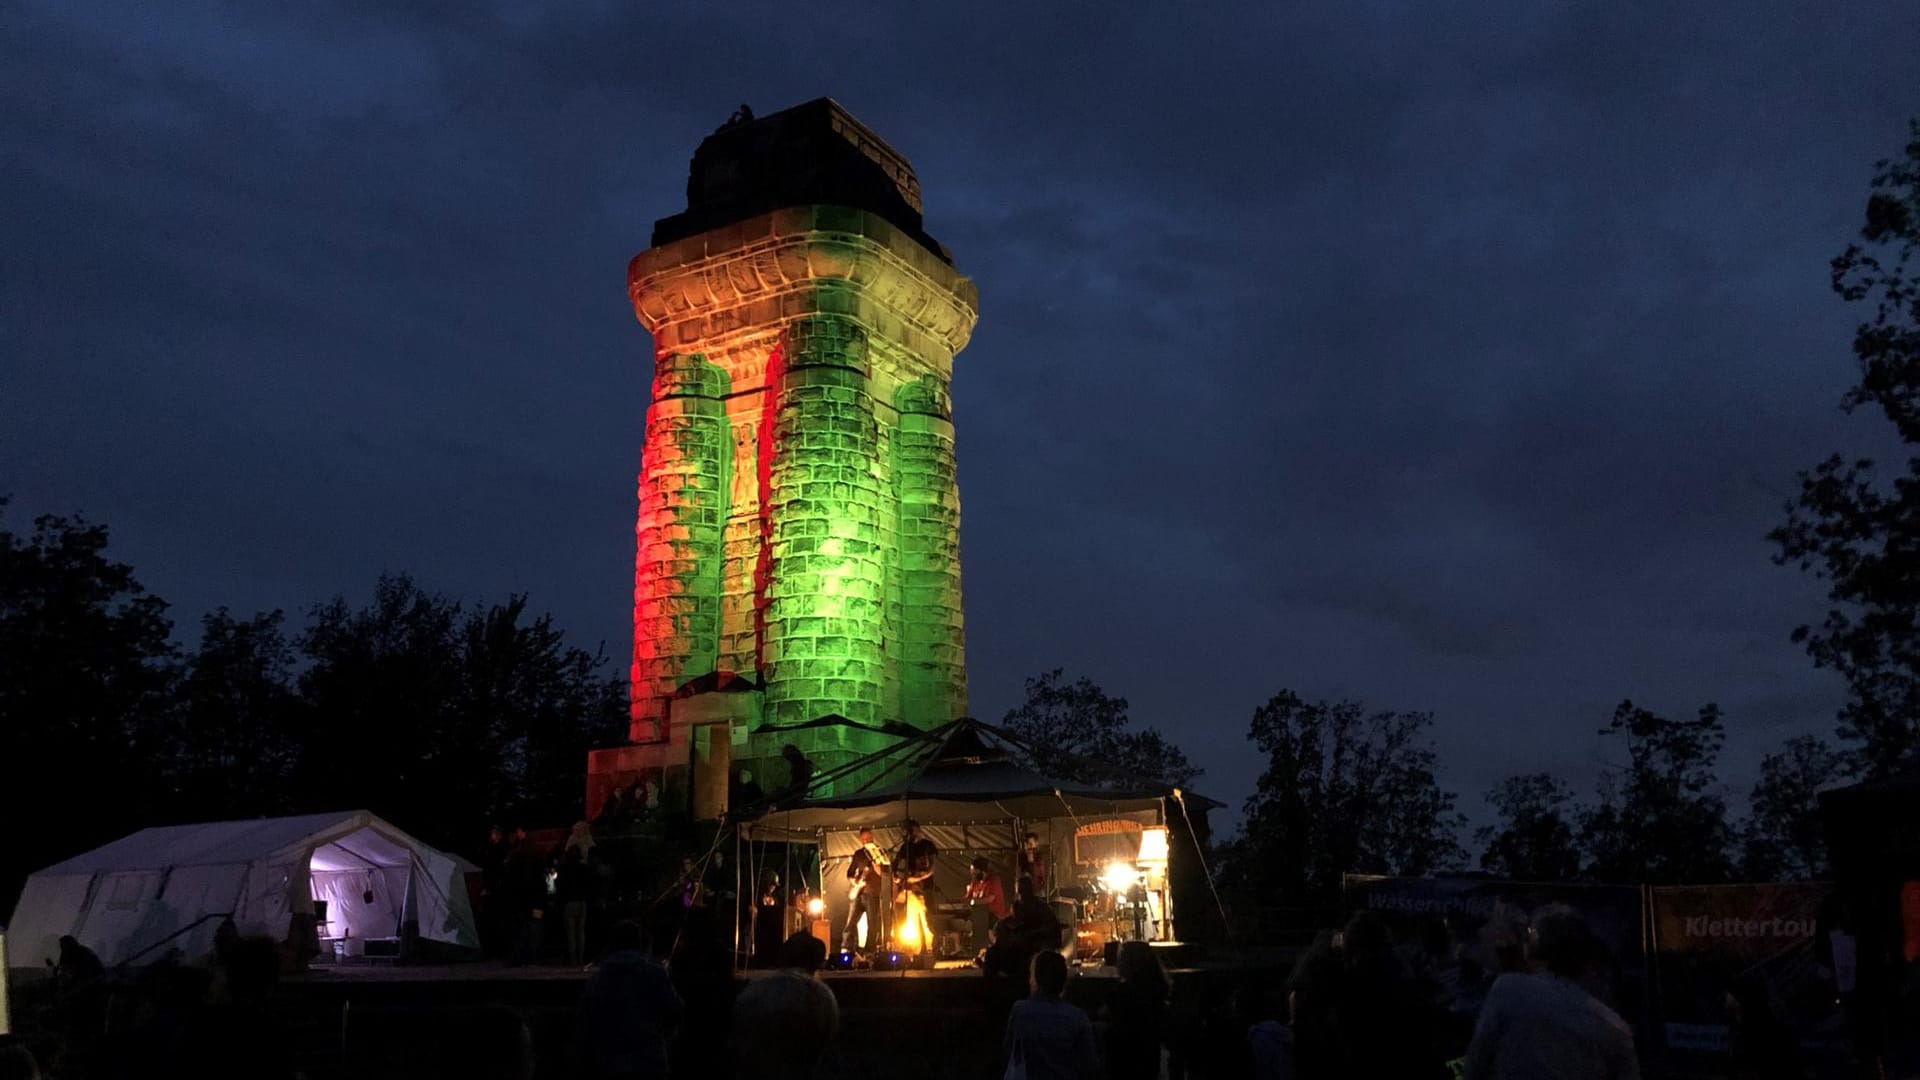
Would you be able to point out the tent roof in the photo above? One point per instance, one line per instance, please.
(342, 840)
(964, 771)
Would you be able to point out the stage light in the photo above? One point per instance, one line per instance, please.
(1153, 845)
(1119, 876)
(843, 961)
(893, 959)
(816, 907)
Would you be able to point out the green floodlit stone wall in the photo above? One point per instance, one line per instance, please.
(933, 642)
(799, 516)
(825, 648)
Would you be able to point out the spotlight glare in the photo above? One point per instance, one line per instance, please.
(1119, 876)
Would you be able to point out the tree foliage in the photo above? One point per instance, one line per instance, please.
(454, 716)
(1533, 838)
(86, 664)
(1344, 790)
(1079, 732)
(1661, 820)
(1848, 524)
(441, 716)
(232, 730)
(1783, 838)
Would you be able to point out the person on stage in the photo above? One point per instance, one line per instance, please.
(1033, 864)
(913, 876)
(986, 903)
(863, 893)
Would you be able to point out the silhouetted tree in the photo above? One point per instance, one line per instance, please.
(85, 670)
(384, 684)
(543, 703)
(1533, 839)
(1344, 790)
(1078, 732)
(1851, 526)
(451, 718)
(1783, 837)
(234, 722)
(1661, 821)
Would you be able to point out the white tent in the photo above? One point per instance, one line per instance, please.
(168, 886)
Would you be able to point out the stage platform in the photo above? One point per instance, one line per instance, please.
(358, 1020)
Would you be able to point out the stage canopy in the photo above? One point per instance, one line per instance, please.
(963, 773)
(164, 887)
(974, 791)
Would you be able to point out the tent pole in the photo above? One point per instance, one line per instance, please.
(737, 831)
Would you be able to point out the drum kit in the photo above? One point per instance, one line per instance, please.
(1102, 908)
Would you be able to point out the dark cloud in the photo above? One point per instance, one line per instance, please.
(1453, 357)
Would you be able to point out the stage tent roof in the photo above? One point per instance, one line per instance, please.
(963, 772)
(125, 897)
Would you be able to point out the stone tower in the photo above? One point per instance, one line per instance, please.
(798, 536)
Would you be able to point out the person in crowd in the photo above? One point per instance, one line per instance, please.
(1452, 982)
(628, 1012)
(613, 813)
(783, 1022)
(580, 838)
(16, 1060)
(1269, 1039)
(986, 904)
(1136, 1014)
(78, 964)
(486, 1042)
(1763, 1046)
(80, 982)
(239, 1036)
(1048, 1038)
(803, 952)
(1385, 1024)
(495, 926)
(573, 892)
(1547, 1024)
(1837, 948)
(1313, 993)
(1029, 928)
(702, 970)
(523, 895)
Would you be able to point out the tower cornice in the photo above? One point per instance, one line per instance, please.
(801, 261)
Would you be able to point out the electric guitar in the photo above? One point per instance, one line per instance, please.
(909, 880)
(876, 865)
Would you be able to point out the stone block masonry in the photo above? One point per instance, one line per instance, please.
(799, 515)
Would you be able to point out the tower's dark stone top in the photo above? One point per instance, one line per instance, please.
(811, 154)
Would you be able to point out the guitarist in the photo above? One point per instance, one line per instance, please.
(863, 891)
(912, 876)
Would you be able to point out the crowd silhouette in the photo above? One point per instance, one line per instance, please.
(1523, 998)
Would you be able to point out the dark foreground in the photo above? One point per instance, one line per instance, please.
(370, 1023)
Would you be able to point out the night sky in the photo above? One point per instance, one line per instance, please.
(1450, 356)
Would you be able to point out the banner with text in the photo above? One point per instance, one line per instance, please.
(1707, 936)
(1485, 913)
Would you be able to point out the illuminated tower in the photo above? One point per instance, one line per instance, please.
(798, 537)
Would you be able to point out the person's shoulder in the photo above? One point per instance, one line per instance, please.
(1511, 983)
(1606, 1017)
(1513, 987)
